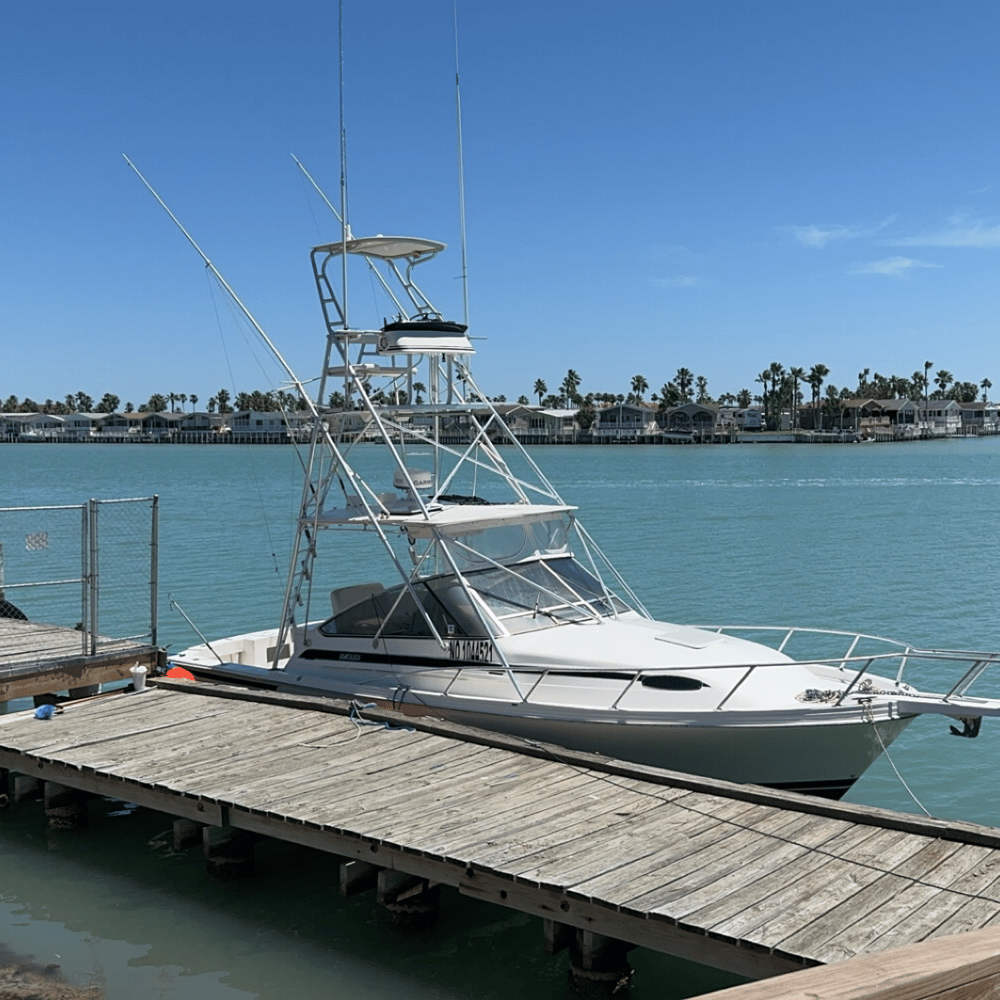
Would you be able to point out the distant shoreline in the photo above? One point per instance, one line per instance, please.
(580, 439)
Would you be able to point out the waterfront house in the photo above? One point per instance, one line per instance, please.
(35, 426)
(625, 422)
(555, 426)
(255, 426)
(697, 419)
(877, 418)
(980, 418)
(115, 427)
(517, 416)
(940, 417)
(160, 426)
(81, 426)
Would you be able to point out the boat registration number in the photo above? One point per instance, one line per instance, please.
(477, 650)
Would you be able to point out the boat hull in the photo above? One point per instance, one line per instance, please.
(818, 759)
(819, 750)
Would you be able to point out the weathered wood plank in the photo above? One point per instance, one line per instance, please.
(841, 930)
(945, 968)
(555, 823)
(689, 894)
(706, 854)
(739, 911)
(660, 828)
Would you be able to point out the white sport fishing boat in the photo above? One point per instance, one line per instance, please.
(496, 608)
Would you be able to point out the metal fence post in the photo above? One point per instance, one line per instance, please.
(154, 556)
(84, 581)
(94, 576)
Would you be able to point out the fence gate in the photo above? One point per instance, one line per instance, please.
(90, 567)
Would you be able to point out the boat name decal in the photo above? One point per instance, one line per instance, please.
(348, 656)
(477, 650)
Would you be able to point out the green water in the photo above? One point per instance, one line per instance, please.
(893, 539)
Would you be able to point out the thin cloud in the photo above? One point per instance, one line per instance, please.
(678, 281)
(893, 267)
(817, 238)
(975, 234)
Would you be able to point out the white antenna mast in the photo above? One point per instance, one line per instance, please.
(344, 223)
(461, 179)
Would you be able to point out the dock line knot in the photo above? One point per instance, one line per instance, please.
(359, 720)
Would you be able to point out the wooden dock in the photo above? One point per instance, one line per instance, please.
(737, 877)
(38, 659)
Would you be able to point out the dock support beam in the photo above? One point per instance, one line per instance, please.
(408, 901)
(26, 788)
(599, 965)
(187, 833)
(357, 876)
(557, 936)
(65, 808)
(228, 851)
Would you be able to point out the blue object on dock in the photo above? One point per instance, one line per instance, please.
(45, 711)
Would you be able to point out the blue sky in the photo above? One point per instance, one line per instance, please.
(649, 185)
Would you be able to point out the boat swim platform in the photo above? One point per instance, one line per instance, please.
(38, 659)
(739, 877)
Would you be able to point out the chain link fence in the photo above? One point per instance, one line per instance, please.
(90, 568)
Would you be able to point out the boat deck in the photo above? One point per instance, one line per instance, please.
(739, 877)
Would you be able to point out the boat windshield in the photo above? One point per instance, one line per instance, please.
(509, 543)
(531, 595)
(543, 592)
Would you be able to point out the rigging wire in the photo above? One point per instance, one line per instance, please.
(896, 771)
(461, 178)
(253, 468)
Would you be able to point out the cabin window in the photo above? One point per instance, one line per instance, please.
(395, 613)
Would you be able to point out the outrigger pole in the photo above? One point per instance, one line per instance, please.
(293, 378)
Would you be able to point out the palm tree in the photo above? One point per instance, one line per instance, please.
(927, 385)
(540, 389)
(943, 379)
(639, 386)
(797, 375)
(816, 377)
(222, 399)
(776, 371)
(193, 400)
(763, 378)
(985, 385)
(684, 379)
(418, 388)
(702, 383)
(569, 386)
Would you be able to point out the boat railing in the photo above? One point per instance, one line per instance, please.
(891, 660)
